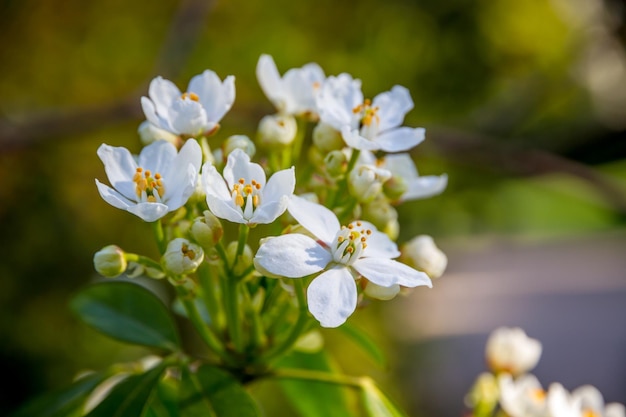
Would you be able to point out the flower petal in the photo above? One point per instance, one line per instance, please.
(177, 193)
(269, 78)
(113, 197)
(148, 212)
(424, 187)
(187, 116)
(401, 165)
(332, 296)
(379, 245)
(157, 156)
(387, 272)
(239, 166)
(163, 93)
(218, 197)
(317, 219)
(356, 141)
(216, 97)
(393, 105)
(150, 112)
(400, 139)
(293, 256)
(120, 167)
(179, 177)
(281, 184)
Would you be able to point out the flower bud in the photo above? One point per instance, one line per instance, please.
(316, 157)
(392, 229)
(381, 293)
(243, 262)
(336, 163)
(149, 133)
(484, 394)
(182, 257)
(327, 138)
(366, 182)
(277, 130)
(379, 212)
(395, 187)
(207, 230)
(422, 253)
(238, 142)
(110, 261)
(510, 350)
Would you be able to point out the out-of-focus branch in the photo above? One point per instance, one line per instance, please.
(185, 28)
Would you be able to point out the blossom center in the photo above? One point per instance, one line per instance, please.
(590, 413)
(367, 113)
(148, 187)
(246, 196)
(188, 252)
(349, 243)
(538, 395)
(190, 96)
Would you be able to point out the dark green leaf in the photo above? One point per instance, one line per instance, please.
(365, 342)
(127, 312)
(130, 396)
(63, 403)
(164, 400)
(315, 399)
(376, 403)
(212, 392)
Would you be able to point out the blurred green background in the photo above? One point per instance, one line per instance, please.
(524, 104)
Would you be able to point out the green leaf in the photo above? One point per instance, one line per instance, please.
(212, 392)
(363, 340)
(315, 399)
(63, 403)
(127, 312)
(130, 396)
(376, 403)
(164, 400)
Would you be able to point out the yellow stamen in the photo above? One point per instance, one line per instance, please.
(191, 96)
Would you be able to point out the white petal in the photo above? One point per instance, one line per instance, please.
(401, 165)
(149, 212)
(269, 212)
(379, 245)
(157, 156)
(317, 219)
(279, 185)
(218, 197)
(615, 410)
(393, 105)
(590, 397)
(150, 112)
(401, 139)
(112, 197)
(424, 187)
(269, 78)
(187, 116)
(239, 166)
(120, 167)
(332, 297)
(217, 98)
(177, 193)
(292, 256)
(387, 272)
(356, 141)
(179, 177)
(163, 93)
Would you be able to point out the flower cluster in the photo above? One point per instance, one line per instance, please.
(511, 388)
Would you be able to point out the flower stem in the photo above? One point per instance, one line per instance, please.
(231, 304)
(243, 238)
(298, 141)
(159, 234)
(210, 297)
(143, 260)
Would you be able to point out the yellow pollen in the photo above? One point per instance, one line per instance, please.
(242, 181)
(350, 226)
(539, 394)
(157, 176)
(363, 239)
(151, 199)
(188, 252)
(148, 184)
(368, 231)
(367, 102)
(340, 239)
(139, 169)
(590, 413)
(239, 200)
(247, 189)
(281, 123)
(253, 182)
(316, 85)
(349, 249)
(255, 200)
(191, 96)
(257, 186)
(359, 224)
(364, 245)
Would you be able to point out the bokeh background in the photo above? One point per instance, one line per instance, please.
(525, 108)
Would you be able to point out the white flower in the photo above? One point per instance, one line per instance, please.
(342, 253)
(592, 403)
(524, 397)
(242, 196)
(365, 182)
(293, 94)
(511, 350)
(422, 253)
(364, 124)
(403, 169)
(195, 112)
(182, 257)
(160, 180)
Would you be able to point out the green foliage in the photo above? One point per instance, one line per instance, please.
(127, 312)
(363, 340)
(376, 403)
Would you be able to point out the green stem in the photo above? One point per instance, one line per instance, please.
(222, 254)
(298, 141)
(258, 332)
(210, 297)
(244, 230)
(233, 321)
(318, 376)
(159, 234)
(353, 158)
(143, 260)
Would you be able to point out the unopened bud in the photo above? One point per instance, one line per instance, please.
(182, 257)
(510, 350)
(366, 182)
(207, 230)
(392, 229)
(381, 293)
(484, 394)
(238, 142)
(421, 253)
(395, 187)
(149, 133)
(110, 261)
(327, 138)
(240, 263)
(277, 130)
(379, 212)
(336, 163)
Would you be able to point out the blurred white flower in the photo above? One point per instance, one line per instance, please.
(195, 112)
(241, 195)
(524, 397)
(510, 350)
(342, 254)
(592, 403)
(159, 181)
(421, 253)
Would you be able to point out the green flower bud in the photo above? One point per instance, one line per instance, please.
(327, 138)
(381, 293)
(392, 229)
(316, 157)
(110, 261)
(277, 131)
(365, 182)
(207, 230)
(238, 142)
(395, 187)
(379, 212)
(182, 257)
(336, 163)
(243, 262)
(484, 394)
(149, 133)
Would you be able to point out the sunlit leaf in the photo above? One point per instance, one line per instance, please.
(67, 402)
(212, 392)
(315, 399)
(365, 342)
(376, 403)
(127, 312)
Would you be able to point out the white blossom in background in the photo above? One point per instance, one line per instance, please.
(198, 111)
(341, 254)
(592, 403)
(421, 253)
(525, 397)
(294, 92)
(149, 133)
(159, 181)
(403, 169)
(368, 124)
(510, 350)
(242, 195)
